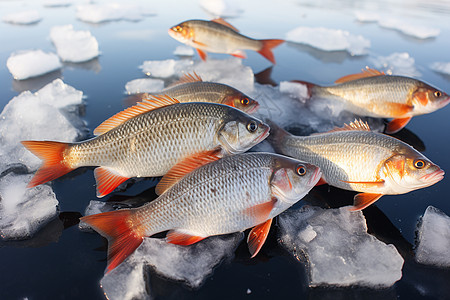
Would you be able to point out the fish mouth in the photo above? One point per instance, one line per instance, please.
(253, 108)
(264, 134)
(434, 177)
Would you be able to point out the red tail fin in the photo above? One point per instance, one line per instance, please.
(308, 85)
(116, 227)
(53, 155)
(266, 49)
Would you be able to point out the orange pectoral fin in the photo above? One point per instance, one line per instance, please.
(107, 180)
(422, 96)
(202, 54)
(362, 200)
(261, 211)
(182, 238)
(257, 237)
(396, 125)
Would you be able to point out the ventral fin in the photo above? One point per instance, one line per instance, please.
(362, 200)
(182, 238)
(257, 237)
(224, 23)
(261, 211)
(107, 180)
(184, 167)
(147, 104)
(239, 54)
(187, 78)
(367, 72)
(396, 125)
(202, 54)
(367, 184)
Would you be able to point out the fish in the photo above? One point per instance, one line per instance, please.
(148, 139)
(372, 93)
(224, 196)
(218, 36)
(191, 88)
(357, 159)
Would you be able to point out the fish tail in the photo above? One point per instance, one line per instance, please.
(309, 86)
(276, 136)
(266, 49)
(117, 227)
(54, 165)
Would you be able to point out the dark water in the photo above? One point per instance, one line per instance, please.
(61, 262)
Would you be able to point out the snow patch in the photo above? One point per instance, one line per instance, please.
(23, 18)
(32, 63)
(74, 45)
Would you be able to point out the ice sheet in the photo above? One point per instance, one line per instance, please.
(441, 67)
(144, 85)
(23, 18)
(409, 28)
(74, 45)
(27, 117)
(329, 39)
(98, 13)
(433, 238)
(398, 63)
(32, 63)
(221, 8)
(335, 245)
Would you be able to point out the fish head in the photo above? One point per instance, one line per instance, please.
(182, 32)
(427, 99)
(241, 101)
(292, 179)
(239, 132)
(410, 171)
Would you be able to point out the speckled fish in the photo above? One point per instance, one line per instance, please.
(357, 159)
(229, 195)
(148, 139)
(191, 88)
(218, 36)
(374, 94)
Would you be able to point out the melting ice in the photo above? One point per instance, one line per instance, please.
(441, 67)
(23, 18)
(74, 45)
(32, 63)
(221, 8)
(98, 13)
(337, 248)
(396, 64)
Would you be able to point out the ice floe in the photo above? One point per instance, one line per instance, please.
(31, 63)
(23, 18)
(221, 8)
(27, 117)
(433, 238)
(144, 85)
(398, 63)
(74, 45)
(441, 67)
(329, 39)
(57, 3)
(184, 51)
(336, 246)
(98, 13)
(164, 68)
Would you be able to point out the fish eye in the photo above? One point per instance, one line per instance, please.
(419, 163)
(301, 170)
(177, 28)
(437, 94)
(245, 101)
(252, 126)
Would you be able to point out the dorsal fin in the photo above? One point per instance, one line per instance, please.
(187, 78)
(357, 125)
(367, 72)
(148, 104)
(184, 167)
(224, 23)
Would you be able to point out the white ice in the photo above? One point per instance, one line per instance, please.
(441, 67)
(144, 85)
(98, 13)
(398, 63)
(221, 8)
(164, 68)
(294, 89)
(74, 45)
(329, 39)
(433, 238)
(27, 117)
(367, 16)
(57, 3)
(23, 18)
(409, 28)
(336, 247)
(32, 63)
(184, 51)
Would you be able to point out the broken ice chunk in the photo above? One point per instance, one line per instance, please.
(144, 85)
(165, 68)
(329, 39)
(433, 238)
(338, 249)
(221, 8)
(98, 13)
(295, 90)
(26, 64)
(23, 18)
(398, 63)
(74, 45)
(441, 67)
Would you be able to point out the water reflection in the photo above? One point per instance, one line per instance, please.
(326, 56)
(90, 65)
(35, 83)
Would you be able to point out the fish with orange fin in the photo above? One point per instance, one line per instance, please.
(374, 94)
(357, 159)
(191, 88)
(229, 195)
(148, 139)
(218, 36)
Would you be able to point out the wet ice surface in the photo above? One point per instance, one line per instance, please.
(24, 211)
(433, 238)
(396, 64)
(74, 45)
(98, 13)
(32, 63)
(328, 39)
(335, 245)
(23, 18)
(144, 85)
